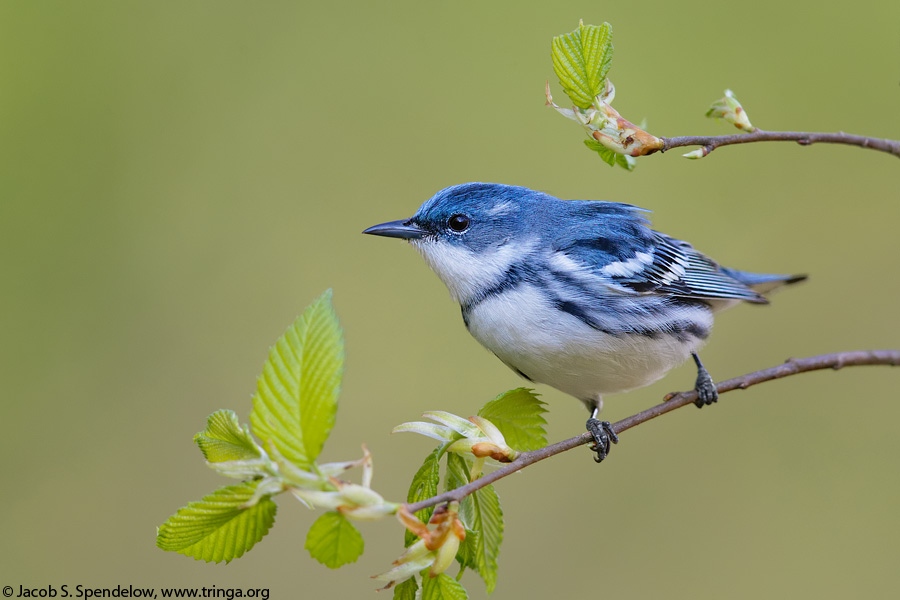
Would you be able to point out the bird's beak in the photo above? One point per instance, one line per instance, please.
(402, 229)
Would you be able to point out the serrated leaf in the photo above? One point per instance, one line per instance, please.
(296, 398)
(218, 528)
(425, 485)
(607, 155)
(442, 587)
(406, 590)
(581, 60)
(517, 414)
(334, 541)
(486, 517)
(468, 550)
(480, 512)
(225, 440)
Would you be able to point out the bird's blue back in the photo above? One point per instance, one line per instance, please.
(594, 234)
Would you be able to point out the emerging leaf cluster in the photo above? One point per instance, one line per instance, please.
(581, 60)
(293, 412)
(519, 416)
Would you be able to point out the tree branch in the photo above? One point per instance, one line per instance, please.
(710, 143)
(792, 366)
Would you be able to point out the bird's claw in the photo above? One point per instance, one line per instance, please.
(706, 389)
(603, 433)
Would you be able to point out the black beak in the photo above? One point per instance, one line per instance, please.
(402, 229)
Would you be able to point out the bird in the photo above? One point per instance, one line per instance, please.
(580, 295)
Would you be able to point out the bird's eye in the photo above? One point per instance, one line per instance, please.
(458, 223)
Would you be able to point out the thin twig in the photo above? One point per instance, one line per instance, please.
(792, 366)
(710, 143)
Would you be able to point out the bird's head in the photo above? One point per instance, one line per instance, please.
(471, 233)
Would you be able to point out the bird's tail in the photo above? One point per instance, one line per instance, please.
(762, 283)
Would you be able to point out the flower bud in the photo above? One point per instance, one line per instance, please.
(730, 109)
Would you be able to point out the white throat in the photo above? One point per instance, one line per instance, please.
(466, 273)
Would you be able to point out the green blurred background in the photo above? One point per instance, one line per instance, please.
(179, 179)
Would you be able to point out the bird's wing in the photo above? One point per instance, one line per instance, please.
(659, 265)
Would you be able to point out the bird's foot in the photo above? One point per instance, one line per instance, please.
(603, 434)
(706, 389)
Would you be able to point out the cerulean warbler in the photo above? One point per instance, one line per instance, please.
(580, 295)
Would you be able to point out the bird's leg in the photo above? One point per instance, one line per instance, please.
(706, 389)
(601, 431)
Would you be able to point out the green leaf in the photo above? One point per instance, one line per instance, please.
(482, 513)
(581, 60)
(517, 414)
(406, 590)
(468, 551)
(224, 439)
(607, 155)
(425, 485)
(296, 398)
(442, 587)
(626, 162)
(457, 472)
(479, 512)
(334, 541)
(218, 528)
(610, 157)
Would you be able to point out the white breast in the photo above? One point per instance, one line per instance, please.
(553, 347)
